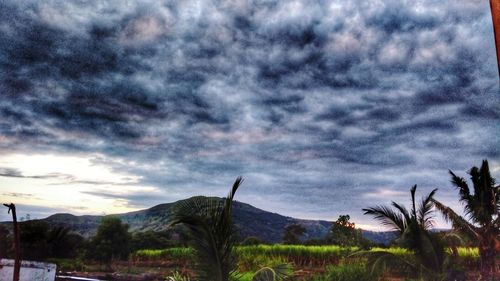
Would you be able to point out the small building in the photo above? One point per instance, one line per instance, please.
(30, 271)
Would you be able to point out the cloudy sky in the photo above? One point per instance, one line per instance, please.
(324, 107)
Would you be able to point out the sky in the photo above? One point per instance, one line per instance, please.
(323, 107)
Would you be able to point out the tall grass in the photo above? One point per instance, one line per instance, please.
(468, 253)
(250, 258)
(164, 254)
(299, 255)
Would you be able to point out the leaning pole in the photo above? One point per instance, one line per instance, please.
(17, 246)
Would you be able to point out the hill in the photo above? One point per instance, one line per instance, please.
(250, 221)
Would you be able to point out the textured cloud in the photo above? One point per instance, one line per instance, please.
(311, 101)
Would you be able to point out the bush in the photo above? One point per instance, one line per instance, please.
(111, 242)
(150, 240)
(251, 241)
(66, 265)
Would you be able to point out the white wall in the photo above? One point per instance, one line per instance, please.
(30, 271)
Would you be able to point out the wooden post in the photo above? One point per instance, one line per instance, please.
(17, 242)
(495, 15)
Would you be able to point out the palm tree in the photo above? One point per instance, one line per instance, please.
(413, 228)
(211, 234)
(482, 221)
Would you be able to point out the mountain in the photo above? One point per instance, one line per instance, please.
(249, 220)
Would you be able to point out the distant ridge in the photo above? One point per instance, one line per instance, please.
(249, 220)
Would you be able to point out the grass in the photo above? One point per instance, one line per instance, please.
(337, 260)
(300, 254)
(393, 250)
(170, 253)
(297, 254)
(245, 276)
(69, 264)
(469, 253)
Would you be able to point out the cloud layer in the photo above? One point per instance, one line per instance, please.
(323, 106)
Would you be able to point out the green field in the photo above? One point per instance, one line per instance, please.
(314, 262)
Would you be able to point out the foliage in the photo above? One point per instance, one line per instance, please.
(482, 211)
(344, 233)
(150, 240)
(64, 244)
(293, 233)
(274, 273)
(252, 258)
(249, 262)
(413, 227)
(170, 254)
(39, 241)
(277, 272)
(176, 276)
(299, 255)
(34, 236)
(5, 242)
(252, 240)
(111, 242)
(68, 264)
(211, 233)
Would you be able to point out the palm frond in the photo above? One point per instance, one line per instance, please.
(414, 234)
(387, 217)
(275, 273)
(57, 234)
(402, 209)
(176, 276)
(463, 191)
(230, 197)
(489, 196)
(457, 221)
(413, 210)
(211, 234)
(380, 261)
(425, 211)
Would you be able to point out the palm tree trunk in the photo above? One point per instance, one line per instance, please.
(488, 255)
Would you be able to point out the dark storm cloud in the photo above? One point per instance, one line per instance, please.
(132, 199)
(329, 97)
(15, 173)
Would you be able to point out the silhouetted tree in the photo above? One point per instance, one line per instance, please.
(112, 241)
(5, 242)
(63, 243)
(344, 233)
(482, 210)
(292, 234)
(252, 240)
(151, 240)
(39, 241)
(34, 240)
(413, 228)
